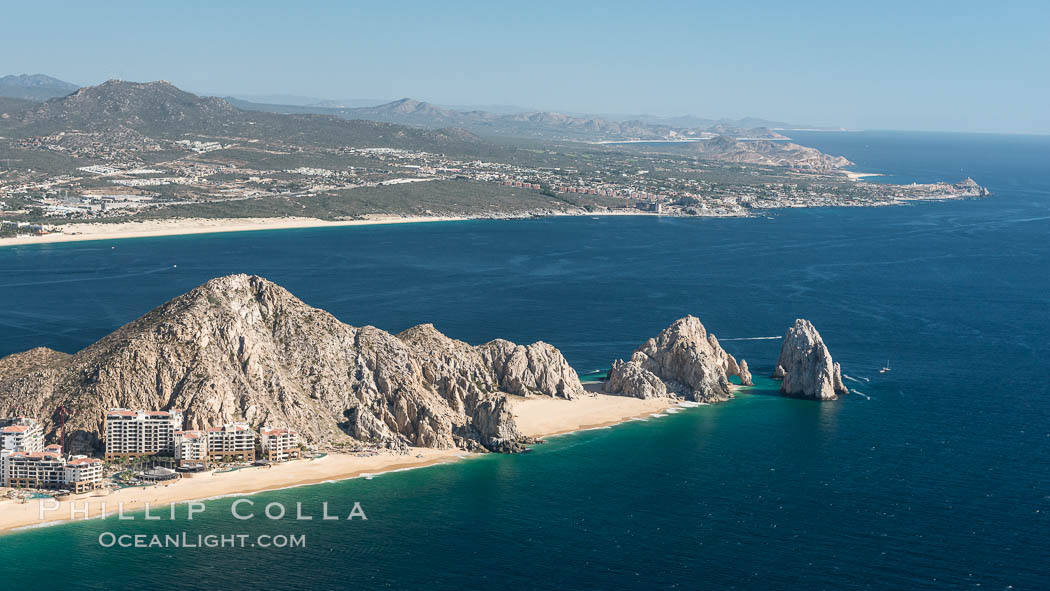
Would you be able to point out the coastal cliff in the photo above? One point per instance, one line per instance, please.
(805, 365)
(241, 348)
(682, 361)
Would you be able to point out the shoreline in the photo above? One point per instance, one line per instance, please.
(97, 231)
(80, 232)
(537, 417)
(856, 176)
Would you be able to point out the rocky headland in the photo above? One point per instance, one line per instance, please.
(805, 365)
(243, 348)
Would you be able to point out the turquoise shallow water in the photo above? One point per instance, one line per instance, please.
(938, 481)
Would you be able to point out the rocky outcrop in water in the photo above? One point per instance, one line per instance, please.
(745, 374)
(682, 361)
(805, 365)
(242, 348)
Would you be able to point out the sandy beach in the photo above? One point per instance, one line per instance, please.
(178, 227)
(856, 176)
(77, 232)
(536, 417)
(205, 485)
(542, 416)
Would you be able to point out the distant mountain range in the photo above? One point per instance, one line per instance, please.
(136, 117)
(546, 125)
(124, 110)
(36, 87)
(492, 121)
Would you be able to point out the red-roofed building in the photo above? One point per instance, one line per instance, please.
(21, 434)
(83, 474)
(191, 448)
(279, 445)
(233, 440)
(140, 432)
(33, 469)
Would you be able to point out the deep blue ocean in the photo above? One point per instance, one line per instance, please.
(937, 478)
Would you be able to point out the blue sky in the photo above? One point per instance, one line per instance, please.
(923, 65)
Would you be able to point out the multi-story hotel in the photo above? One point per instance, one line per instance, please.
(235, 440)
(279, 445)
(83, 474)
(21, 434)
(191, 448)
(34, 469)
(140, 432)
(48, 469)
(26, 463)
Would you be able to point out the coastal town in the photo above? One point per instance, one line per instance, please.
(125, 161)
(125, 189)
(141, 447)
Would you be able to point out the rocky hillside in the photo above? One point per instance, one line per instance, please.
(728, 149)
(242, 348)
(805, 365)
(160, 110)
(682, 361)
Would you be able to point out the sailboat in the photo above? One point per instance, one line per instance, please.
(886, 368)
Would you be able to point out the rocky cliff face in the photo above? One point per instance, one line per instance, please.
(683, 361)
(243, 348)
(805, 365)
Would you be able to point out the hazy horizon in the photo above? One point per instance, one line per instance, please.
(959, 67)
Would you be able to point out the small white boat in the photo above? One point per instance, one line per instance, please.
(886, 368)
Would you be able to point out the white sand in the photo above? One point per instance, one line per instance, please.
(14, 514)
(854, 176)
(539, 416)
(176, 227)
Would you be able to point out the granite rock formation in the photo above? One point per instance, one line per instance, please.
(242, 348)
(683, 361)
(745, 374)
(805, 365)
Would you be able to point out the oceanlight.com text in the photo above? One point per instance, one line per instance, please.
(188, 540)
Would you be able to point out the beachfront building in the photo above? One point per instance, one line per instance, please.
(21, 434)
(82, 474)
(191, 448)
(34, 469)
(140, 432)
(279, 445)
(233, 440)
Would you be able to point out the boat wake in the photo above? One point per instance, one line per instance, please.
(859, 393)
(752, 338)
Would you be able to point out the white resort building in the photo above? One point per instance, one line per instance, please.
(191, 448)
(26, 463)
(83, 474)
(34, 469)
(21, 434)
(233, 440)
(279, 445)
(140, 432)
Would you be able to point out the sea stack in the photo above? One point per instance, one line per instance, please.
(683, 361)
(805, 365)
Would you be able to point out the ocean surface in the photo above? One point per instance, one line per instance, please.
(937, 477)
